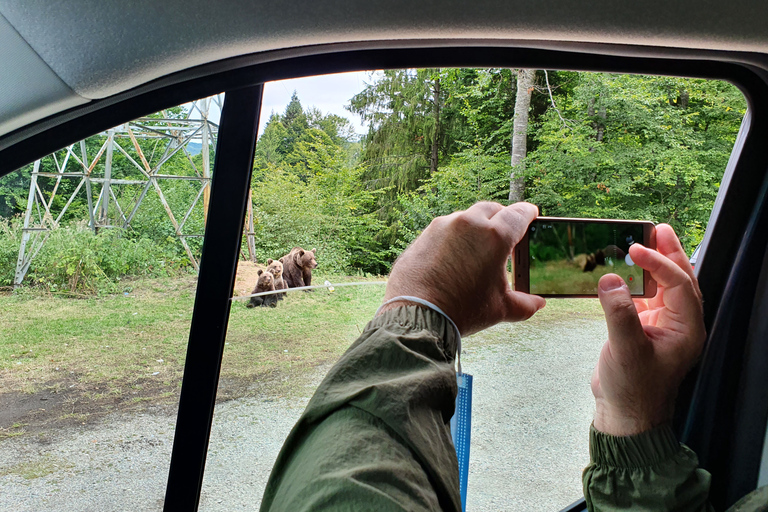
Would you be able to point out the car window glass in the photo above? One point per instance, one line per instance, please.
(100, 241)
(94, 333)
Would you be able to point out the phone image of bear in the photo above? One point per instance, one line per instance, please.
(567, 257)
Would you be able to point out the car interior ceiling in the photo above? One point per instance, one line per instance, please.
(722, 407)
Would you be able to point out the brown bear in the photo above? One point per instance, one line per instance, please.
(586, 262)
(275, 267)
(297, 267)
(265, 283)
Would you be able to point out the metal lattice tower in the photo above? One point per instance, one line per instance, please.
(94, 172)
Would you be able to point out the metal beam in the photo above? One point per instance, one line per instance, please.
(20, 261)
(176, 134)
(104, 213)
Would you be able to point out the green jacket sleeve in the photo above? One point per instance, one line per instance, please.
(650, 471)
(376, 434)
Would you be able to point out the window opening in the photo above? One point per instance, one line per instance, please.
(359, 182)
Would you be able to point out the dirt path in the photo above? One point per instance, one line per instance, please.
(71, 400)
(531, 415)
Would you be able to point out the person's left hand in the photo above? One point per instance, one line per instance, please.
(651, 343)
(459, 264)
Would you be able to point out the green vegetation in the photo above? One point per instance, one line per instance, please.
(108, 347)
(596, 145)
(113, 343)
(562, 276)
(38, 468)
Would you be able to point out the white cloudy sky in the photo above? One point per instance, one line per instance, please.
(329, 93)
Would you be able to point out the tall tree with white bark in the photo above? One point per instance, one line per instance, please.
(524, 88)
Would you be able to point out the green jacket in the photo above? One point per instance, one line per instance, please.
(376, 436)
(651, 471)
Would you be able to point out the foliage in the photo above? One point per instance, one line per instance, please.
(306, 193)
(470, 177)
(77, 261)
(599, 145)
(409, 119)
(663, 147)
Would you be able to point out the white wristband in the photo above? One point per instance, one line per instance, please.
(433, 307)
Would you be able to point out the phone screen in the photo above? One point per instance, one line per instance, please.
(569, 257)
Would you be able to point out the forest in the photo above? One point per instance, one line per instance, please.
(575, 144)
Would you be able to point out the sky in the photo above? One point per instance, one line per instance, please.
(329, 93)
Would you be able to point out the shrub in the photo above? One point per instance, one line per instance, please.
(328, 211)
(76, 260)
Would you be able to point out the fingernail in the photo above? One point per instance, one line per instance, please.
(610, 282)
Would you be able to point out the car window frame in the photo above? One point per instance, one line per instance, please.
(740, 187)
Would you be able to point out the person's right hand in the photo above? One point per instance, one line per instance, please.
(459, 264)
(651, 343)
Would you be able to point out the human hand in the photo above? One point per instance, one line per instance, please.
(459, 264)
(651, 343)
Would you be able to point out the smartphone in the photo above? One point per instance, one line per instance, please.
(561, 257)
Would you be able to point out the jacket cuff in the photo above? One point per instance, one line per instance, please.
(410, 319)
(629, 452)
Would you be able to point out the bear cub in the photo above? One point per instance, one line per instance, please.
(265, 283)
(275, 267)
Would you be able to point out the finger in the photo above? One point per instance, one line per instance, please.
(521, 306)
(625, 333)
(680, 293)
(666, 272)
(485, 208)
(641, 305)
(668, 244)
(512, 221)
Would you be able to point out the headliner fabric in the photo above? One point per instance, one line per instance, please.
(101, 48)
(29, 90)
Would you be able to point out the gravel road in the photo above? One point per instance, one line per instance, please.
(530, 420)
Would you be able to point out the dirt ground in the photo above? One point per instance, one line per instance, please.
(70, 401)
(246, 277)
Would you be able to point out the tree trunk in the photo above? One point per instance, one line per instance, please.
(601, 123)
(519, 132)
(597, 124)
(436, 134)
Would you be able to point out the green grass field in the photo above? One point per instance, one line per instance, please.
(562, 276)
(123, 338)
(125, 351)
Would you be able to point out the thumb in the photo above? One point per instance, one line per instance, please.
(521, 306)
(625, 332)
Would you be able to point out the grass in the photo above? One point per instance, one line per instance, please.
(305, 328)
(127, 351)
(100, 340)
(30, 470)
(130, 348)
(15, 430)
(562, 276)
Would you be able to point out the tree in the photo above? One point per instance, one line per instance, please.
(520, 133)
(644, 147)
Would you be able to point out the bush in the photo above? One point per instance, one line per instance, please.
(10, 240)
(76, 260)
(470, 177)
(328, 212)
